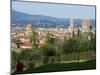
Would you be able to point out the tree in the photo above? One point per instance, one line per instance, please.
(25, 54)
(92, 41)
(15, 57)
(50, 38)
(71, 45)
(34, 54)
(58, 44)
(47, 51)
(34, 39)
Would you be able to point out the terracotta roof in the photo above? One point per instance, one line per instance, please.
(29, 25)
(26, 44)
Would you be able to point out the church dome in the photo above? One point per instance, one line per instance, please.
(86, 22)
(29, 26)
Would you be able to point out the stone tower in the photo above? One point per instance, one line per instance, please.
(86, 25)
(28, 29)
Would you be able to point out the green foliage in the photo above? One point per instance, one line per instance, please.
(25, 54)
(15, 55)
(48, 50)
(36, 54)
(50, 39)
(93, 43)
(84, 45)
(70, 45)
(28, 54)
(34, 40)
(55, 48)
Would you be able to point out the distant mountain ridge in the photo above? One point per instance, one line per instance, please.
(41, 20)
(24, 16)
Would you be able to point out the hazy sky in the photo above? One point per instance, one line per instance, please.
(55, 10)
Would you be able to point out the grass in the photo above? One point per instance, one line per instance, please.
(83, 56)
(62, 67)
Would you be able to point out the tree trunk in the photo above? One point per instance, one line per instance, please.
(59, 58)
(78, 56)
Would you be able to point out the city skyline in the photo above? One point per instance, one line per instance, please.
(55, 10)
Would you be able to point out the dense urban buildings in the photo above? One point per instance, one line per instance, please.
(22, 38)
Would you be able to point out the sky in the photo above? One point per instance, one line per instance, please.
(55, 10)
